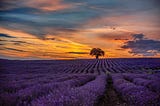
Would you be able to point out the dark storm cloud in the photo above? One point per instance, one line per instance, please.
(5, 35)
(142, 46)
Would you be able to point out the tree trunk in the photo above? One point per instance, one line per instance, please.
(97, 56)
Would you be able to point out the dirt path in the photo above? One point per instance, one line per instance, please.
(111, 98)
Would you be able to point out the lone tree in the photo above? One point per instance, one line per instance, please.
(97, 52)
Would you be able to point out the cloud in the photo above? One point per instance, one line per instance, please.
(2, 40)
(54, 38)
(77, 52)
(15, 42)
(138, 36)
(43, 5)
(14, 49)
(39, 23)
(30, 15)
(47, 5)
(62, 46)
(48, 47)
(5, 35)
(103, 23)
(142, 46)
(118, 34)
(121, 39)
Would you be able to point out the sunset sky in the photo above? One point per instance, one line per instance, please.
(69, 29)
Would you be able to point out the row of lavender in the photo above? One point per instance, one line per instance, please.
(80, 82)
(51, 89)
(138, 89)
(100, 66)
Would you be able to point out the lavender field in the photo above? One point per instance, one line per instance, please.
(81, 82)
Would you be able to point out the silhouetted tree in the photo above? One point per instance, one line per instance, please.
(97, 52)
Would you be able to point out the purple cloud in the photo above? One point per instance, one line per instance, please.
(142, 46)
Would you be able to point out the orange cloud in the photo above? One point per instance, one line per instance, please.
(135, 23)
(106, 38)
(50, 47)
(48, 5)
(69, 45)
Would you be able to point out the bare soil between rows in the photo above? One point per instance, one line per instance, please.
(111, 97)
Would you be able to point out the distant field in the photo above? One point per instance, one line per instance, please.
(83, 82)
